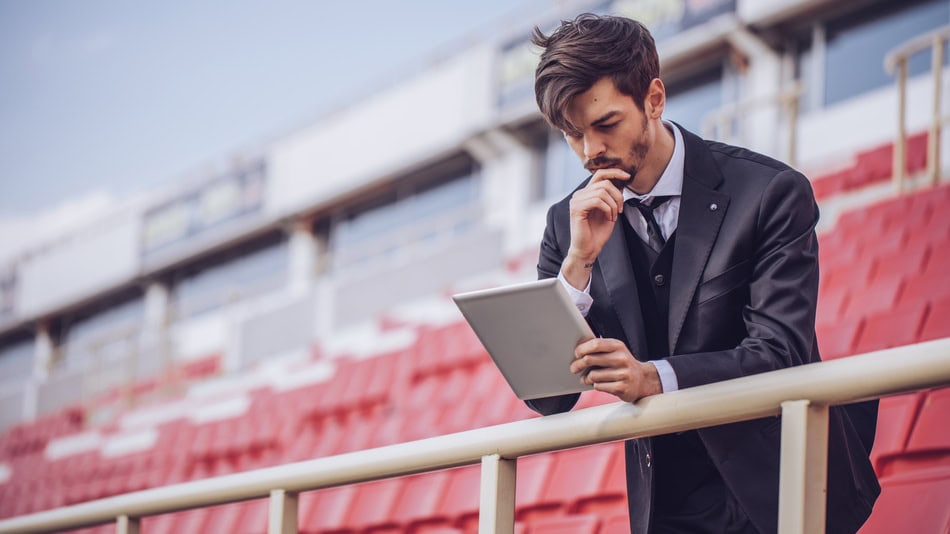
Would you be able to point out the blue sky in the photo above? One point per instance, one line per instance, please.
(115, 97)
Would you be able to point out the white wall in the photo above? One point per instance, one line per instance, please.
(396, 128)
(85, 263)
(831, 136)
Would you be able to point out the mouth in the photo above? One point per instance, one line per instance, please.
(598, 164)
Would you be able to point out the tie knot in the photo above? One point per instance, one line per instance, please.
(655, 202)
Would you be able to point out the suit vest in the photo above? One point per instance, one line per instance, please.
(681, 463)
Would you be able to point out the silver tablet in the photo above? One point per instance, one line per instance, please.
(530, 331)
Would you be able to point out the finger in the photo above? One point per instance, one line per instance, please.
(588, 199)
(598, 345)
(599, 360)
(613, 191)
(605, 208)
(610, 174)
(605, 375)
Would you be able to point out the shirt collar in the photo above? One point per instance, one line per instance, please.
(670, 183)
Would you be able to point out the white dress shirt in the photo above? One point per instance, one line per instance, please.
(667, 215)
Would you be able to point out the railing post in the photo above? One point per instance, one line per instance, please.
(282, 518)
(496, 513)
(793, 127)
(127, 525)
(899, 143)
(933, 143)
(803, 478)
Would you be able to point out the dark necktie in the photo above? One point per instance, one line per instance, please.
(654, 234)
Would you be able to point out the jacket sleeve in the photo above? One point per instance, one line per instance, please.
(779, 317)
(549, 265)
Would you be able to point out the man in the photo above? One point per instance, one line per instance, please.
(696, 262)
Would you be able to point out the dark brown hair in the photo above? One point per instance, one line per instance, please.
(581, 51)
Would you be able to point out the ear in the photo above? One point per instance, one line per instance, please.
(655, 100)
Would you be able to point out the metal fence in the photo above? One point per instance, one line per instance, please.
(800, 394)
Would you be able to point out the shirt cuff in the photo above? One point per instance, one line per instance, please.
(667, 376)
(581, 299)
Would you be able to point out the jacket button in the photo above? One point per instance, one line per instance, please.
(659, 280)
(649, 460)
(713, 207)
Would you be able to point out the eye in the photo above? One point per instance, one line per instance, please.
(606, 127)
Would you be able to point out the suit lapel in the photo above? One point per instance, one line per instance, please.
(621, 286)
(702, 209)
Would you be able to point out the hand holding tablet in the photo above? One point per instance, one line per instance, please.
(530, 331)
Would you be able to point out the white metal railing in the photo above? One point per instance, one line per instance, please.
(895, 62)
(801, 394)
(725, 123)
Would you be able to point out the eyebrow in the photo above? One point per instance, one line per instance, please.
(606, 117)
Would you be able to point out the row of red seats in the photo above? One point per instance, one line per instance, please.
(554, 491)
(886, 282)
(912, 458)
(872, 166)
(31, 437)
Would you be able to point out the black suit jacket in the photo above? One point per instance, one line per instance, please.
(743, 294)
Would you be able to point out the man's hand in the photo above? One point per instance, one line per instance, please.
(594, 210)
(612, 369)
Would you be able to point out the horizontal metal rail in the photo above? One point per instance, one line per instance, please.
(834, 382)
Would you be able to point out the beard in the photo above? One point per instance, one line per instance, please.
(635, 156)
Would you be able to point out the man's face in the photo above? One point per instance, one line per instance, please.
(612, 131)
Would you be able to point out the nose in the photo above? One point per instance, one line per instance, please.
(593, 146)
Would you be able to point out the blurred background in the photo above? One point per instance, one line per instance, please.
(213, 212)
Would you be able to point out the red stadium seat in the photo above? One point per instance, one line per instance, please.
(838, 338)
(870, 299)
(913, 502)
(831, 304)
(891, 328)
(328, 511)
(937, 325)
(895, 419)
(534, 472)
(939, 259)
(447, 347)
(159, 524)
(612, 496)
(579, 474)
(460, 503)
(254, 517)
(905, 263)
(419, 499)
(224, 518)
(618, 523)
(931, 433)
(575, 524)
(374, 503)
(924, 287)
(191, 521)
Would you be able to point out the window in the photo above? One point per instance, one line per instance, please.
(16, 360)
(556, 168)
(417, 209)
(690, 99)
(107, 327)
(563, 170)
(844, 57)
(249, 270)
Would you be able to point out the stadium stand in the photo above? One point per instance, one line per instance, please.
(276, 385)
